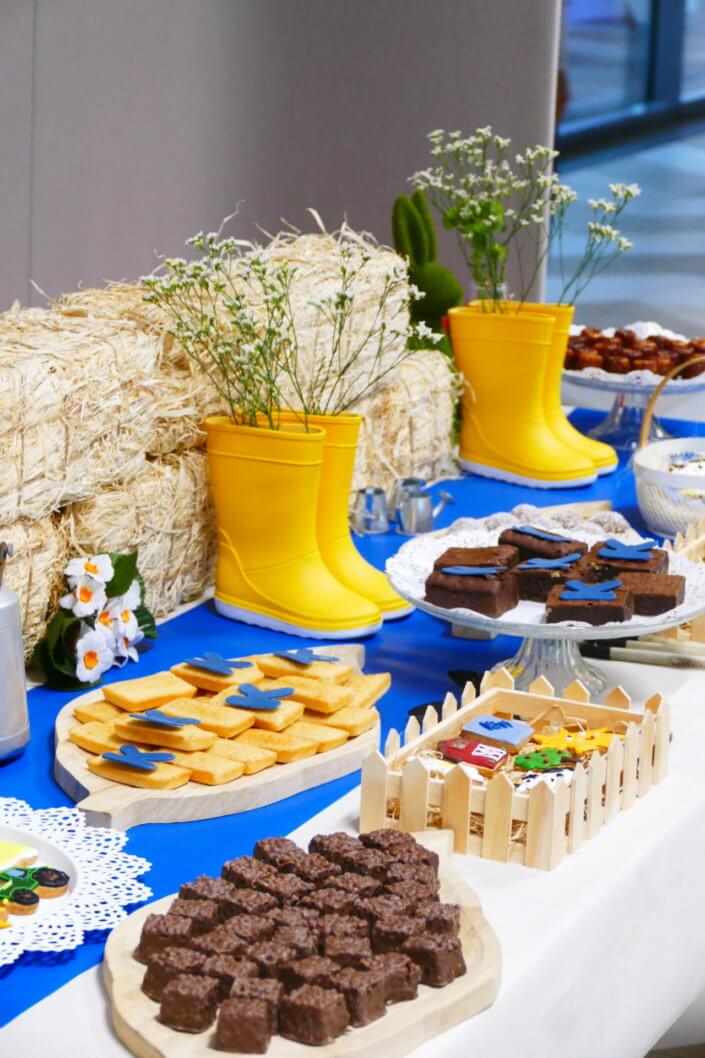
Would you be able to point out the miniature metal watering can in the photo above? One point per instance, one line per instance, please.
(14, 721)
(370, 511)
(416, 512)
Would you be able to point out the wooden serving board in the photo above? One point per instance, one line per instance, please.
(109, 804)
(404, 1027)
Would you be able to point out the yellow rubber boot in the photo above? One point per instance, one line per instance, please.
(270, 572)
(504, 434)
(333, 529)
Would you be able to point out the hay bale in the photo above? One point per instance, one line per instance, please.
(165, 512)
(408, 423)
(76, 408)
(35, 572)
(183, 395)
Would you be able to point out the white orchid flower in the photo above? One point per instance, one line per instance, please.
(99, 567)
(94, 655)
(87, 597)
(125, 624)
(125, 648)
(132, 597)
(105, 624)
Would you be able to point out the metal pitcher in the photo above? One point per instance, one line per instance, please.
(416, 512)
(14, 719)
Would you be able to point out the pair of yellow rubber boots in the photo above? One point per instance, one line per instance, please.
(285, 556)
(513, 424)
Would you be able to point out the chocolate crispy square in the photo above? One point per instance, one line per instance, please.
(267, 989)
(313, 1015)
(440, 918)
(422, 873)
(362, 885)
(439, 956)
(343, 925)
(348, 949)
(271, 849)
(220, 941)
(303, 941)
(226, 969)
(247, 902)
(385, 839)
(308, 917)
(316, 869)
(411, 893)
(401, 976)
(163, 931)
(330, 901)
(331, 846)
(251, 927)
(364, 861)
(415, 853)
(205, 888)
(365, 994)
(246, 872)
(388, 934)
(204, 914)
(189, 1003)
(314, 970)
(271, 957)
(244, 1026)
(376, 907)
(166, 964)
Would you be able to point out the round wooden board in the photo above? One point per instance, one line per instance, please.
(404, 1027)
(108, 804)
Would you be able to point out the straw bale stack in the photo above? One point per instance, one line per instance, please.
(183, 395)
(165, 512)
(35, 572)
(76, 408)
(407, 423)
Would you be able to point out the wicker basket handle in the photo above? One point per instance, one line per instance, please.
(649, 413)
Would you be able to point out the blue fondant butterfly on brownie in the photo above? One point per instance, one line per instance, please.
(472, 571)
(617, 549)
(579, 591)
(563, 562)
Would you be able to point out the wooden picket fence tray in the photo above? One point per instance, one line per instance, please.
(492, 820)
(404, 1026)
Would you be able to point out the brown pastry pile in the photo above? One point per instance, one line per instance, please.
(303, 944)
(624, 352)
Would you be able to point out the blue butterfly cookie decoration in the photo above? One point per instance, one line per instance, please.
(550, 563)
(143, 760)
(217, 664)
(251, 697)
(472, 571)
(577, 591)
(617, 549)
(541, 534)
(511, 733)
(160, 719)
(303, 656)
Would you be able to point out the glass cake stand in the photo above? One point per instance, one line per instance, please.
(622, 426)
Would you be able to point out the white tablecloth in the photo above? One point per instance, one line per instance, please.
(600, 956)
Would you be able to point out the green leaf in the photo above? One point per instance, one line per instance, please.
(124, 572)
(146, 622)
(55, 655)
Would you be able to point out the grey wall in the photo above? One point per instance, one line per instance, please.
(127, 126)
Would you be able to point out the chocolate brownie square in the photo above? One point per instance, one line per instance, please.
(270, 957)
(385, 839)
(654, 593)
(595, 607)
(244, 1026)
(388, 934)
(537, 576)
(343, 926)
(315, 970)
(348, 950)
(163, 931)
(226, 969)
(364, 992)
(401, 976)
(269, 990)
(313, 1015)
(503, 555)
(539, 543)
(608, 558)
(164, 965)
(486, 590)
(189, 1003)
(362, 885)
(204, 914)
(220, 941)
(438, 955)
(303, 941)
(330, 901)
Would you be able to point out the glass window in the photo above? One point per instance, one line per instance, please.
(693, 83)
(604, 56)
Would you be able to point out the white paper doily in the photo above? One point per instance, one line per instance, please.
(104, 879)
(409, 568)
(632, 381)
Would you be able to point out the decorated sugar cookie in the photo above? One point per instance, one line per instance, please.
(481, 755)
(577, 742)
(18, 891)
(545, 759)
(551, 779)
(499, 731)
